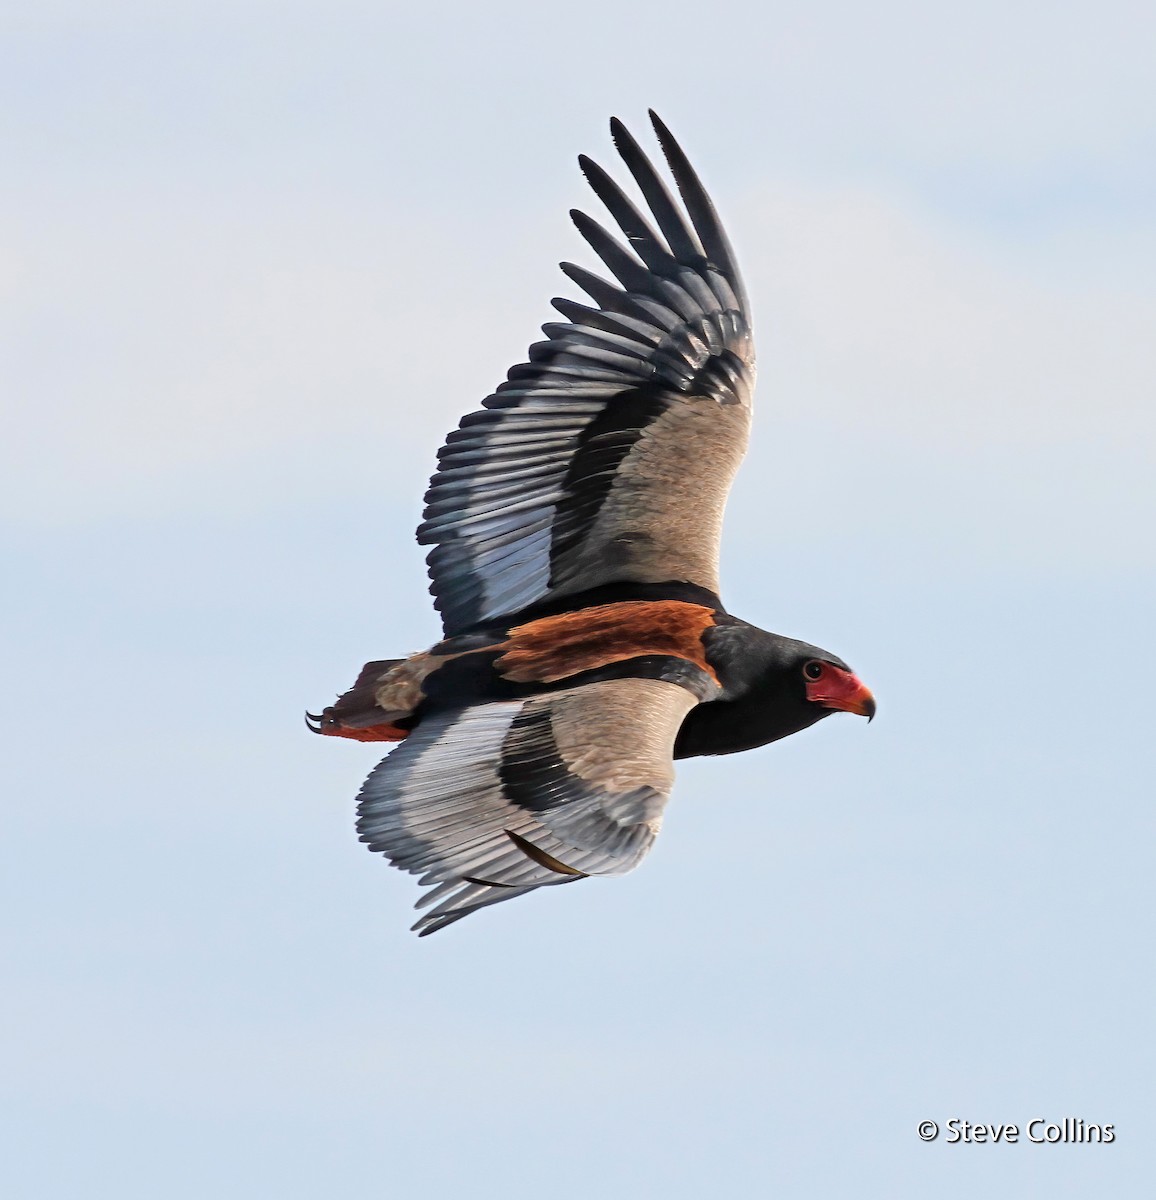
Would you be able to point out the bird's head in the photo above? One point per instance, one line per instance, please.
(772, 686)
(800, 684)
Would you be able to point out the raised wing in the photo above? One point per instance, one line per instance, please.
(490, 802)
(607, 458)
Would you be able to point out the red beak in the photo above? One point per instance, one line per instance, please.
(841, 690)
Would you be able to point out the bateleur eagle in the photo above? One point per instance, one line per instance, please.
(574, 525)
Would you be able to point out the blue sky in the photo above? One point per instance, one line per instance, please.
(258, 259)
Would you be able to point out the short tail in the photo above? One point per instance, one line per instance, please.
(359, 714)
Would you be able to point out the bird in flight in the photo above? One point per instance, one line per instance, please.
(574, 524)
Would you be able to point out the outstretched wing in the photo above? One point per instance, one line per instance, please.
(492, 801)
(607, 458)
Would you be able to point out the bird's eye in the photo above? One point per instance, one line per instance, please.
(813, 670)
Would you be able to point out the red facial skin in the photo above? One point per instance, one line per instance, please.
(836, 688)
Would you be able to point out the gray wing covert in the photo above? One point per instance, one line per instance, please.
(606, 458)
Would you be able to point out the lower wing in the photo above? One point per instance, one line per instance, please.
(491, 801)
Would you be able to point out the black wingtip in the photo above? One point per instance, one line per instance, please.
(699, 206)
(666, 139)
(618, 131)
